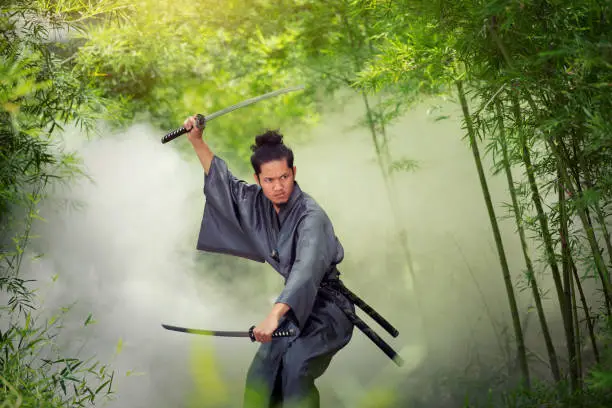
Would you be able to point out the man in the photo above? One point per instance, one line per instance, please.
(274, 221)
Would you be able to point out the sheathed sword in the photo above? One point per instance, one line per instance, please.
(219, 333)
(201, 119)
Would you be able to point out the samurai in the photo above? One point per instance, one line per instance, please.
(274, 221)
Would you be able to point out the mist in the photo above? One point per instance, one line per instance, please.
(123, 248)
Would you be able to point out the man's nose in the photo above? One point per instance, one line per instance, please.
(277, 186)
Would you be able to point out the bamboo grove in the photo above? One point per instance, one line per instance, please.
(539, 76)
(531, 78)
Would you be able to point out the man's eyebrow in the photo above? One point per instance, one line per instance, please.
(270, 177)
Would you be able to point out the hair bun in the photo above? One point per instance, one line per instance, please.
(270, 138)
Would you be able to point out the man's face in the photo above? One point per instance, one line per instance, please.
(276, 180)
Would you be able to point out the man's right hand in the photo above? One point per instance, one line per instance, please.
(195, 133)
(199, 145)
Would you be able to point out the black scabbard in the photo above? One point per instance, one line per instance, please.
(367, 330)
(356, 320)
(360, 303)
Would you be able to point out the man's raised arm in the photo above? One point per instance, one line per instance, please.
(199, 145)
(230, 210)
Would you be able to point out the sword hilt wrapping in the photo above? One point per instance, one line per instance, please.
(277, 333)
(200, 124)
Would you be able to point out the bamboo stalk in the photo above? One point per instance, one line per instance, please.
(520, 343)
(537, 201)
(587, 313)
(577, 335)
(599, 263)
(598, 212)
(601, 220)
(567, 280)
(550, 348)
(592, 240)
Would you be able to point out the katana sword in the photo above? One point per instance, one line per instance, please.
(202, 119)
(218, 333)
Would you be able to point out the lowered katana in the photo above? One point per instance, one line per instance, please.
(219, 333)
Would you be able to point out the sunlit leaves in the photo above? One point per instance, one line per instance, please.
(38, 94)
(171, 60)
(422, 58)
(18, 79)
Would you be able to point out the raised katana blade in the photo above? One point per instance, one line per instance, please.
(219, 333)
(205, 118)
(252, 101)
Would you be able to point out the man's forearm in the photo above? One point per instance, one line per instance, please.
(279, 310)
(204, 154)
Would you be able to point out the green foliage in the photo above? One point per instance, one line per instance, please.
(422, 58)
(39, 92)
(33, 370)
(551, 78)
(171, 60)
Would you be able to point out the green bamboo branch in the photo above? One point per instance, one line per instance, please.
(570, 311)
(577, 336)
(580, 208)
(587, 313)
(520, 343)
(550, 348)
(599, 216)
(537, 201)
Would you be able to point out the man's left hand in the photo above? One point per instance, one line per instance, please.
(263, 331)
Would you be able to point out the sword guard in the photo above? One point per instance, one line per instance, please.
(200, 121)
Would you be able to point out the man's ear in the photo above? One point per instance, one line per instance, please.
(256, 177)
(294, 171)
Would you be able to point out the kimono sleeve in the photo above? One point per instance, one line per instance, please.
(229, 212)
(315, 253)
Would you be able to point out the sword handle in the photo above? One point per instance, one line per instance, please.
(277, 333)
(200, 123)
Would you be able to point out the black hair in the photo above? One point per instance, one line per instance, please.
(269, 147)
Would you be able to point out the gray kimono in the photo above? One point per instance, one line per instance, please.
(299, 243)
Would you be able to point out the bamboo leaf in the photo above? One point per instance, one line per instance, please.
(89, 320)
